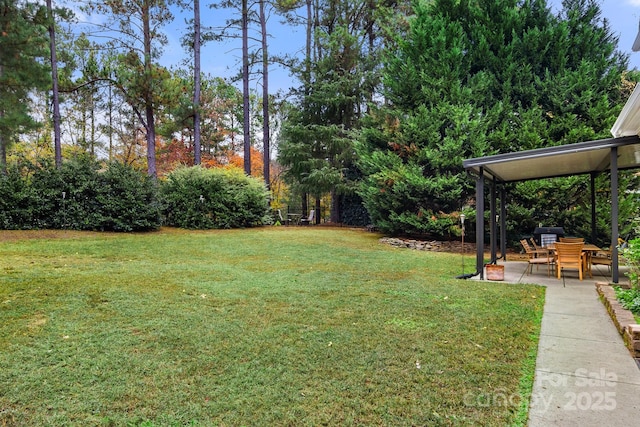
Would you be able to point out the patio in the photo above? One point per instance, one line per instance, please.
(611, 155)
(515, 272)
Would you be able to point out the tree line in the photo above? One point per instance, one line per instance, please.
(390, 96)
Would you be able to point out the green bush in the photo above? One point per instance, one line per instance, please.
(68, 196)
(199, 198)
(80, 196)
(128, 200)
(631, 253)
(629, 299)
(352, 211)
(17, 201)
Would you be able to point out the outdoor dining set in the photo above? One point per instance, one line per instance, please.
(571, 253)
(296, 218)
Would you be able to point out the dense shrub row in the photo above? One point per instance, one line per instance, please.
(86, 195)
(213, 198)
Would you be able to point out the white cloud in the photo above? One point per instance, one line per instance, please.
(635, 3)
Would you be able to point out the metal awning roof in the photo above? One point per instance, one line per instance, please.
(570, 159)
(563, 160)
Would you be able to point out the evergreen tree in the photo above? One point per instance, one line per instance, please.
(23, 47)
(469, 80)
(83, 103)
(316, 146)
(137, 74)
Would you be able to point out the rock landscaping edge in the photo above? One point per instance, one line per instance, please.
(429, 245)
(622, 318)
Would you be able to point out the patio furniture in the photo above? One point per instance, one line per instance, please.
(570, 255)
(537, 257)
(282, 221)
(572, 239)
(293, 218)
(309, 220)
(602, 257)
(588, 251)
(534, 244)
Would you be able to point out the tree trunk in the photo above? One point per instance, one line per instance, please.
(54, 90)
(92, 115)
(265, 98)
(196, 82)
(3, 142)
(316, 217)
(110, 107)
(245, 87)
(307, 59)
(316, 23)
(150, 122)
(305, 204)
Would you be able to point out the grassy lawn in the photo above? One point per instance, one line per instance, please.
(273, 326)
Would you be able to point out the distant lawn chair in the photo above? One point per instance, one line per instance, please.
(605, 257)
(309, 220)
(282, 220)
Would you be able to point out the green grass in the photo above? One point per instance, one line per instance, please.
(272, 326)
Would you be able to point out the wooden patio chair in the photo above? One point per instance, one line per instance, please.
(603, 257)
(534, 244)
(569, 255)
(572, 239)
(537, 257)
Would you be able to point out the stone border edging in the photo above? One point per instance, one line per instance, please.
(622, 318)
(429, 245)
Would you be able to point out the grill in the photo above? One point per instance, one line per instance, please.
(547, 235)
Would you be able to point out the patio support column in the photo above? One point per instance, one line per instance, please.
(503, 222)
(594, 235)
(480, 223)
(614, 214)
(493, 234)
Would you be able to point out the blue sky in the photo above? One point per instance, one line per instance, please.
(623, 17)
(222, 58)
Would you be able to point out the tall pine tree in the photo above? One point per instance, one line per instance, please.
(316, 148)
(474, 79)
(23, 48)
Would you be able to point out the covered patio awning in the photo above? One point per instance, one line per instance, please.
(591, 157)
(564, 160)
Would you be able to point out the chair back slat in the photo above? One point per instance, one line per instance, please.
(569, 251)
(572, 239)
(569, 255)
(526, 246)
